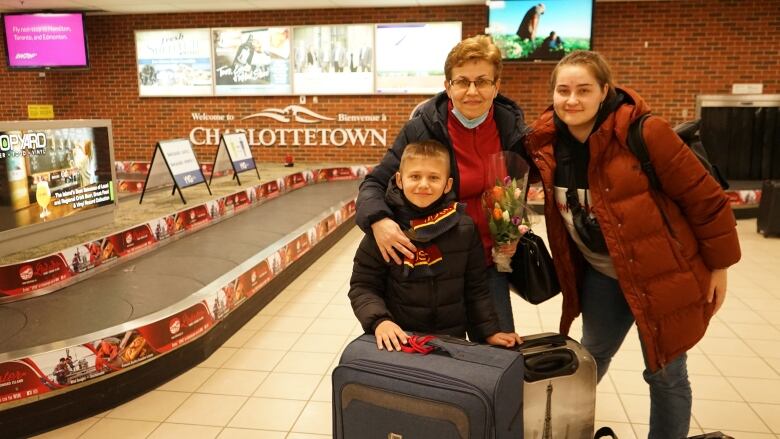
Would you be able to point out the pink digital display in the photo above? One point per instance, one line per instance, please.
(45, 40)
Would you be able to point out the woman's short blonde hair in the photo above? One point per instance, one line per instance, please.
(480, 47)
(594, 62)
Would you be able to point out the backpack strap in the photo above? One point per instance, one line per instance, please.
(636, 143)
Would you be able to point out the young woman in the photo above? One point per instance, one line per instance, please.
(623, 252)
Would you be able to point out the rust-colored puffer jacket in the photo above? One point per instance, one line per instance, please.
(664, 274)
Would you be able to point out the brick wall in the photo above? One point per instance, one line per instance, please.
(694, 47)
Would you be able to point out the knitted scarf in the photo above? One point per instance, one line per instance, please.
(423, 225)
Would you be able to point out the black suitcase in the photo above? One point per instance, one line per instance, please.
(460, 391)
(769, 209)
(559, 394)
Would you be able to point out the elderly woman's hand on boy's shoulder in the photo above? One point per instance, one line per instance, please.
(505, 339)
(391, 239)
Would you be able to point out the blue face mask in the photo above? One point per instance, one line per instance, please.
(469, 123)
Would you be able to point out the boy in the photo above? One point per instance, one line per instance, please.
(443, 289)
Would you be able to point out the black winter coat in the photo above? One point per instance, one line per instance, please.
(449, 303)
(430, 123)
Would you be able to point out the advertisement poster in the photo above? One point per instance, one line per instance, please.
(410, 56)
(124, 167)
(240, 153)
(53, 173)
(33, 275)
(295, 181)
(253, 280)
(269, 190)
(84, 257)
(175, 62)
(297, 248)
(335, 174)
(180, 328)
(240, 200)
(45, 40)
(334, 59)
(189, 219)
(163, 228)
(182, 162)
(129, 241)
(252, 61)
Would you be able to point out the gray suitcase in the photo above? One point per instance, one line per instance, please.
(461, 391)
(559, 394)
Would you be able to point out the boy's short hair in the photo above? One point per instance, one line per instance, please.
(426, 149)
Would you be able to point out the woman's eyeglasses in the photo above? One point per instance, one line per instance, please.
(480, 84)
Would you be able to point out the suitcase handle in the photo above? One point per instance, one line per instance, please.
(550, 364)
(553, 341)
(462, 350)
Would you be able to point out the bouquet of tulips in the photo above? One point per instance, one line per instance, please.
(504, 204)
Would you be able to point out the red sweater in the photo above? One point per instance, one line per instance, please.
(473, 148)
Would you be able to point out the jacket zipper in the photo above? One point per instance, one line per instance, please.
(643, 297)
(425, 378)
(433, 291)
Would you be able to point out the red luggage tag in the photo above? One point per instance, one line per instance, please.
(418, 344)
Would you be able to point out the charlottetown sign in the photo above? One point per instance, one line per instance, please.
(308, 134)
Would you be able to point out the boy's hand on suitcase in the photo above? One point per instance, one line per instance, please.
(389, 335)
(505, 339)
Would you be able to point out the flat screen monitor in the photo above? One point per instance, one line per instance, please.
(54, 173)
(540, 30)
(45, 40)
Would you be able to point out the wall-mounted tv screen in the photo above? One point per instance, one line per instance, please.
(56, 180)
(45, 40)
(540, 30)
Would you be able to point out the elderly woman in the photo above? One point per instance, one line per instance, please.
(474, 122)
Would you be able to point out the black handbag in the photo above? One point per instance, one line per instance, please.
(533, 275)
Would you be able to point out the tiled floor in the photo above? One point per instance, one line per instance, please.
(271, 380)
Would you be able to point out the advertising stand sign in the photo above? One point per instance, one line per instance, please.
(175, 164)
(233, 153)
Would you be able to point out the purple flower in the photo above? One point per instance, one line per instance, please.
(507, 180)
(516, 220)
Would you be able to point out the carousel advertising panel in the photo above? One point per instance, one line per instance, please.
(334, 59)
(48, 174)
(174, 62)
(252, 61)
(59, 369)
(410, 56)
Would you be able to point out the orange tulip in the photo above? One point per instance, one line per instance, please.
(498, 192)
(497, 214)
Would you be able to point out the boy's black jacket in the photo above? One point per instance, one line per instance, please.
(448, 303)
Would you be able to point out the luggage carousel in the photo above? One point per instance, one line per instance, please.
(105, 339)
